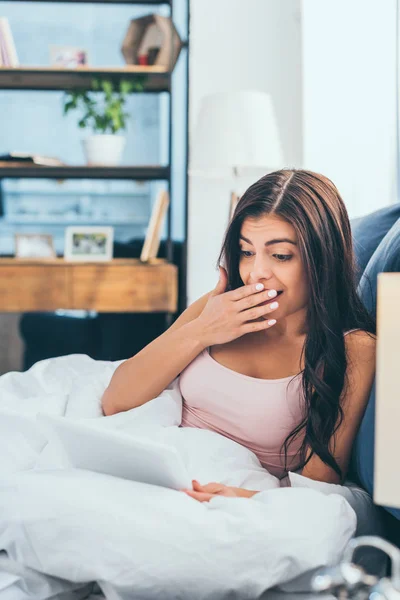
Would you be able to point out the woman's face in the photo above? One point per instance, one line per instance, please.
(269, 254)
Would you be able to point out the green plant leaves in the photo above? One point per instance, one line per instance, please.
(103, 108)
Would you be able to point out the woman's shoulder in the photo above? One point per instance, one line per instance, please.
(360, 372)
(360, 344)
(360, 336)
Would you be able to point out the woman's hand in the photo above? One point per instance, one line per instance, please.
(204, 493)
(229, 315)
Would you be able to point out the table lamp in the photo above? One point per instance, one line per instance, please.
(235, 133)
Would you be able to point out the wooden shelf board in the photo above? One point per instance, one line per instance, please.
(138, 2)
(17, 170)
(120, 285)
(61, 262)
(126, 70)
(54, 78)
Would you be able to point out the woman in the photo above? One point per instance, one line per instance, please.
(280, 356)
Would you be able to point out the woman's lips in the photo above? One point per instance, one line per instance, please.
(271, 299)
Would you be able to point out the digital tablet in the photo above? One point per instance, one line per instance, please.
(119, 454)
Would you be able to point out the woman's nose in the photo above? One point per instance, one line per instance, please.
(259, 273)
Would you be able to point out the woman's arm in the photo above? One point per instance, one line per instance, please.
(216, 318)
(148, 373)
(360, 349)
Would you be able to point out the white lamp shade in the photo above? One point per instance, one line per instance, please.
(236, 130)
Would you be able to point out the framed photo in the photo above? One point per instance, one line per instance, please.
(34, 245)
(152, 239)
(88, 244)
(68, 57)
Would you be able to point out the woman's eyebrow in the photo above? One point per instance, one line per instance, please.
(271, 242)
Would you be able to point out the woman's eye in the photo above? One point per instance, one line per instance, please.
(282, 257)
(279, 257)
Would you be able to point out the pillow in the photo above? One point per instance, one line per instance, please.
(368, 517)
(369, 231)
(385, 259)
(369, 522)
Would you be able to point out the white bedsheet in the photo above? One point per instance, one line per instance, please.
(66, 528)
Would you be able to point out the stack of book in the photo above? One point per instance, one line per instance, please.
(8, 52)
(18, 158)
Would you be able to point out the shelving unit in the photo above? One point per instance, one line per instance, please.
(122, 285)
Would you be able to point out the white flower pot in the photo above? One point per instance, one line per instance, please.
(104, 149)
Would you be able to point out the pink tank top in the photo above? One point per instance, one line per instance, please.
(256, 413)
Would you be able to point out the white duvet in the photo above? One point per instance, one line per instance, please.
(66, 532)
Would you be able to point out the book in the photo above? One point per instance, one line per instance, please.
(33, 159)
(152, 239)
(3, 52)
(8, 51)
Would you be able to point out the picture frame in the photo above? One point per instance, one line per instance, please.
(88, 243)
(152, 240)
(68, 57)
(34, 245)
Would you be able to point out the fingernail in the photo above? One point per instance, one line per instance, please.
(259, 287)
(272, 322)
(274, 305)
(272, 293)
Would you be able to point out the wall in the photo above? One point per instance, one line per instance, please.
(239, 45)
(349, 98)
(331, 69)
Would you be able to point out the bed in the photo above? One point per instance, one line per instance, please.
(69, 533)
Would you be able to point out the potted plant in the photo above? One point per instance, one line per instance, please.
(103, 112)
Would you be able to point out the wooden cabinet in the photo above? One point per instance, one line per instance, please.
(31, 286)
(122, 285)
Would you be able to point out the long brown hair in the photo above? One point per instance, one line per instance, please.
(312, 205)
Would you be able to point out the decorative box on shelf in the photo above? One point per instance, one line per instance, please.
(152, 41)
